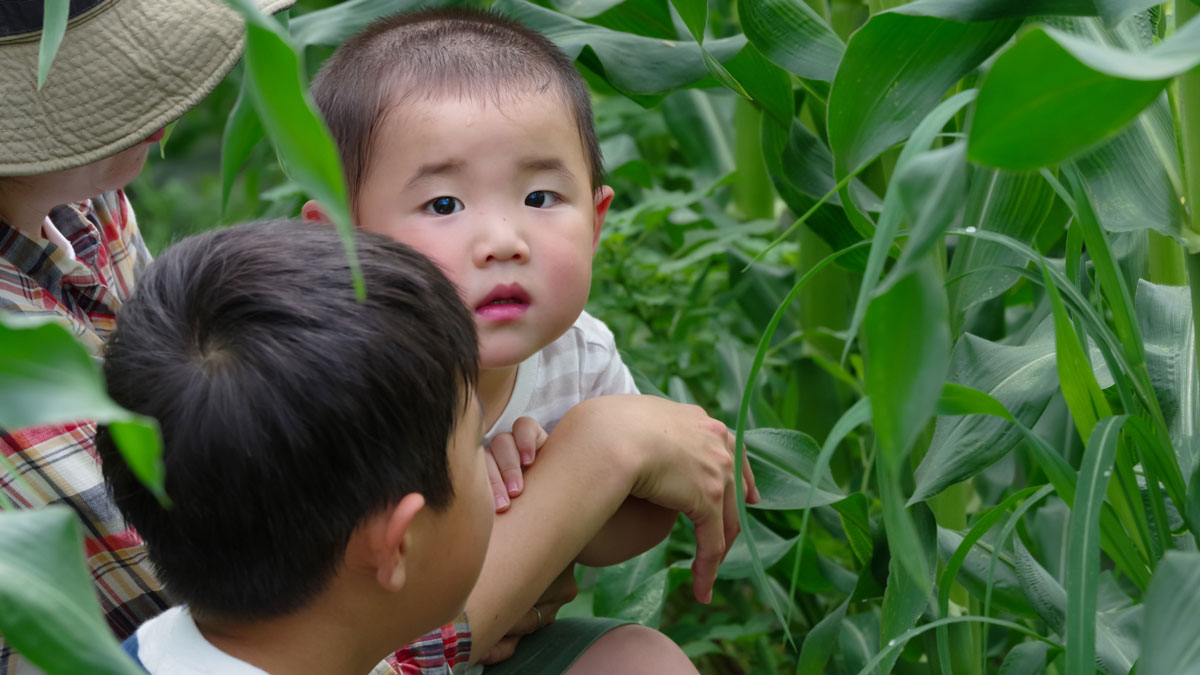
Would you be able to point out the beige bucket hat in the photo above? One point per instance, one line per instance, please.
(125, 69)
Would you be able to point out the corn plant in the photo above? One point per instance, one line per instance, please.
(930, 261)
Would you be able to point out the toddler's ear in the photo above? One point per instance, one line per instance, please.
(393, 551)
(603, 200)
(312, 212)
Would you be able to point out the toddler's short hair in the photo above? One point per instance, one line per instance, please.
(435, 53)
(290, 411)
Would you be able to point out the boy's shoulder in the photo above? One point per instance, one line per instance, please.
(171, 644)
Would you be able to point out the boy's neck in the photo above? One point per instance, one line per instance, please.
(495, 388)
(324, 637)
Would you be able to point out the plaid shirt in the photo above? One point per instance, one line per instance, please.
(59, 464)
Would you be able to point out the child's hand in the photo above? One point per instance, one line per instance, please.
(507, 455)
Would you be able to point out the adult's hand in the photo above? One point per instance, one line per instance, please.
(684, 460)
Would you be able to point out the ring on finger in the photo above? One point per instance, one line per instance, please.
(537, 613)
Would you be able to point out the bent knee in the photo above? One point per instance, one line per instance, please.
(638, 649)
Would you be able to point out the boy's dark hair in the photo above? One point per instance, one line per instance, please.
(439, 52)
(290, 411)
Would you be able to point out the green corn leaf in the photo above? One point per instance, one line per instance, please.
(306, 150)
(1112, 12)
(820, 642)
(932, 190)
(977, 575)
(331, 26)
(1079, 93)
(48, 608)
(877, 100)
(162, 142)
(1133, 180)
(1165, 318)
(640, 67)
(1170, 646)
(982, 525)
(856, 523)
(999, 201)
(899, 642)
(743, 418)
(762, 82)
(243, 131)
(1078, 382)
(907, 347)
(783, 462)
(55, 14)
(792, 36)
(1027, 658)
(1083, 535)
(695, 16)
(905, 599)
(889, 220)
(46, 377)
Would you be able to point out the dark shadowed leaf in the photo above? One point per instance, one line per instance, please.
(1015, 204)
(1111, 11)
(637, 66)
(332, 26)
(243, 131)
(792, 36)
(1172, 609)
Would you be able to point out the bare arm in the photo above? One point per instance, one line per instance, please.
(666, 453)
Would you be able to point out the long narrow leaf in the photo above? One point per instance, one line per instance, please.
(54, 26)
(1083, 536)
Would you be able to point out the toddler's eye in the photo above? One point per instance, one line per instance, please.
(540, 199)
(444, 206)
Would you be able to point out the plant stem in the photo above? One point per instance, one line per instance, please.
(1165, 264)
(1189, 126)
(753, 194)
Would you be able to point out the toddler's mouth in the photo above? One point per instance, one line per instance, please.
(505, 302)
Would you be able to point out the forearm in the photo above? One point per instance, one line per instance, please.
(636, 527)
(572, 490)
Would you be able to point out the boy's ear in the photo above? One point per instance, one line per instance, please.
(393, 552)
(604, 197)
(312, 212)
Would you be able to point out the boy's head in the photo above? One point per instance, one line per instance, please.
(303, 430)
(470, 137)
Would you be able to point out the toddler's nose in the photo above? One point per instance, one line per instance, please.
(502, 242)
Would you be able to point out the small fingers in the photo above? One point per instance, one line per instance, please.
(529, 436)
(504, 450)
(499, 492)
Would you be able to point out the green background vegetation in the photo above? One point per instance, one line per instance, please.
(929, 259)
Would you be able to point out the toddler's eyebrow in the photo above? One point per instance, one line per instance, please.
(546, 164)
(428, 170)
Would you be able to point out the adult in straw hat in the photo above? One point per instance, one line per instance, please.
(69, 244)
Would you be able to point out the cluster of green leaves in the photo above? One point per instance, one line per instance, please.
(919, 256)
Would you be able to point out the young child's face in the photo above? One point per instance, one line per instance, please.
(498, 195)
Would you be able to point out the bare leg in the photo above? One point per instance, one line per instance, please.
(632, 650)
